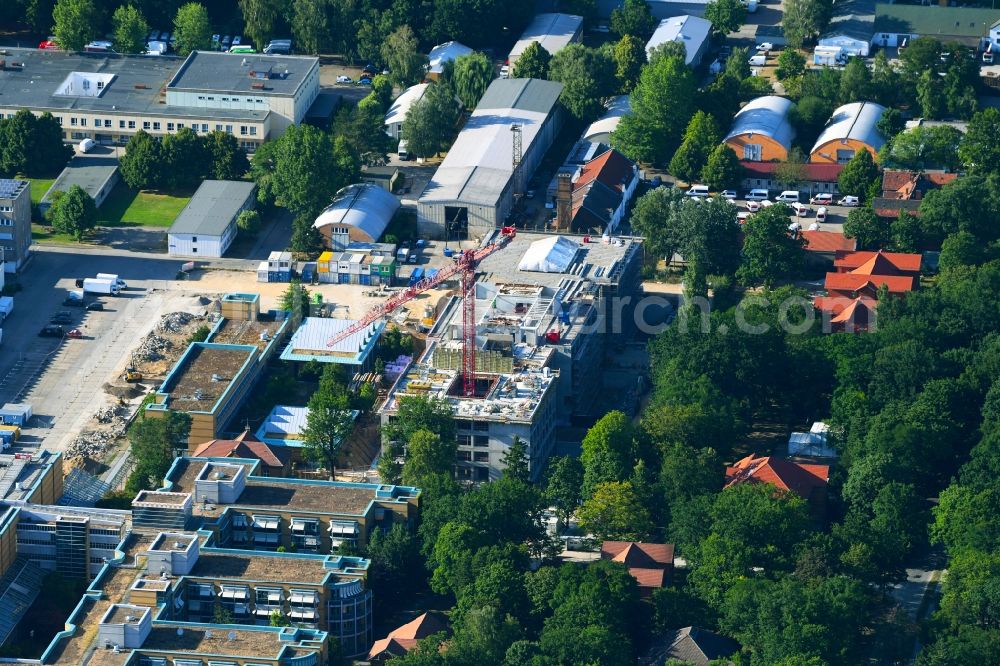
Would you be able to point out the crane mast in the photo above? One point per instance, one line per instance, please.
(465, 264)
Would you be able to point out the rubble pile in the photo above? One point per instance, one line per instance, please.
(152, 348)
(93, 443)
(174, 322)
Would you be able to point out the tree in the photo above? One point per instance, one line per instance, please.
(935, 147)
(295, 300)
(886, 81)
(630, 56)
(858, 175)
(890, 123)
(310, 26)
(865, 226)
(803, 19)
(587, 75)
(414, 413)
(426, 453)
(921, 55)
(32, 146)
(652, 218)
(615, 512)
(968, 204)
(961, 249)
(472, 76)
(153, 444)
(130, 30)
(564, 487)
(329, 422)
(662, 104)
(980, 146)
(608, 451)
(533, 63)
(633, 18)
(73, 23)
(141, 165)
(260, 18)
(429, 125)
(186, 160)
(722, 170)
(515, 461)
(192, 29)
(700, 138)
(248, 222)
(395, 563)
(726, 15)
(930, 95)
(738, 66)
(74, 213)
(791, 64)
(855, 81)
(905, 232)
(769, 251)
(228, 160)
(278, 619)
(403, 57)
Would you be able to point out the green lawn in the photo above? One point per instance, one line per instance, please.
(39, 186)
(44, 234)
(126, 207)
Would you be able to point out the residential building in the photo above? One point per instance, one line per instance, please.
(15, 223)
(442, 54)
(109, 97)
(206, 226)
(403, 639)
(852, 290)
(851, 128)
(851, 27)
(651, 564)
(245, 510)
(553, 32)
(472, 192)
(396, 114)
(211, 379)
(273, 461)
(691, 31)
(595, 197)
(97, 176)
(690, 645)
(818, 178)
(762, 130)
(808, 481)
(969, 26)
(359, 213)
(827, 245)
(600, 130)
(904, 190)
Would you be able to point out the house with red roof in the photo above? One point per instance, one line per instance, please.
(246, 445)
(651, 564)
(904, 190)
(403, 639)
(818, 178)
(852, 289)
(808, 481)
(595, 196)
(825, 245)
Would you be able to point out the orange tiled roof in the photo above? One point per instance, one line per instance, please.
(244, 446)
(637, 553)
(854, 282)
(403, 639)
(885, 263)
(828, 241)
(610, 167)
(798, 478)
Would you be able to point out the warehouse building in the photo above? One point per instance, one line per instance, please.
(206, 227)
(97, 176)
(762, 131)
(691, 31)
(553, 32)
(600, 130)
(359, 213)
(851, 128)
(15, 223)
(472, 192)
(396, 114)
(109, 97)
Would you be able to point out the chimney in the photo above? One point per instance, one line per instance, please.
(564, 199)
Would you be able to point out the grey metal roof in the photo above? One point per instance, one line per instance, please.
(90, 173)
(534, 95)
(553, 32)
(690, 31)
(225, 72)
(853, 121)
(852, 18)
(766, 115)
(213, 207)
(135, 88)
(364, 206)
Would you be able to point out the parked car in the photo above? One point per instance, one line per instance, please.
(849, 200)
(505, 72)
(364, 81)
(49, 45)
(226, 41)
(728, 194)
(821, 214)
(237, 40)
(216, 39)
(95, 306)
(757, 195)
(742, 216)
(823, 199)
(343, 78)
(74, 333)
(51, 331)
(753, 206)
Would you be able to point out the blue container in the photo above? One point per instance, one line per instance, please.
(448, 252)
(366, 279)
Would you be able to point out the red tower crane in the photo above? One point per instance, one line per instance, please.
(465, 263)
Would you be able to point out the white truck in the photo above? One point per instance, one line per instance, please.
(6, 306)
(829, 56)
(100, 286)
(114, 278)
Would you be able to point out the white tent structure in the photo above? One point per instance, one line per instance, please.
(549, 255)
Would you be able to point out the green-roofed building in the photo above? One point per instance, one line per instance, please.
(970, 26)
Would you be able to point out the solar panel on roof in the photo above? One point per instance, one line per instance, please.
(9, 188)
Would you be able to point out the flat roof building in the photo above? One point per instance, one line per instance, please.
(15, 214)
(359, 213)
(206, 227)
(851, 128)
(396, 114)
(968, 26)
(109, 97)
(283, 426)
(851, 27)
(553, 32)
(97, 176)
(762, 130)
(309, 342)
(472, 191)
(691, 31)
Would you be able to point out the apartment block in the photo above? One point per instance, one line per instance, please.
(15, 223)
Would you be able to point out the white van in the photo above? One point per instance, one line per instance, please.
(403, 152)
(788, 196)
(757, 60)
(698, 191)
(821, 214)
(756, 195)
(801, 210)
(86, 145)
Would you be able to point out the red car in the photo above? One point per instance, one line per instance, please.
(49, 45)
(75, 333)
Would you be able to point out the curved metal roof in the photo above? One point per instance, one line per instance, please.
(364, 206)
(855, 121)
(409, 97)
(766, 115)
(618, 108)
